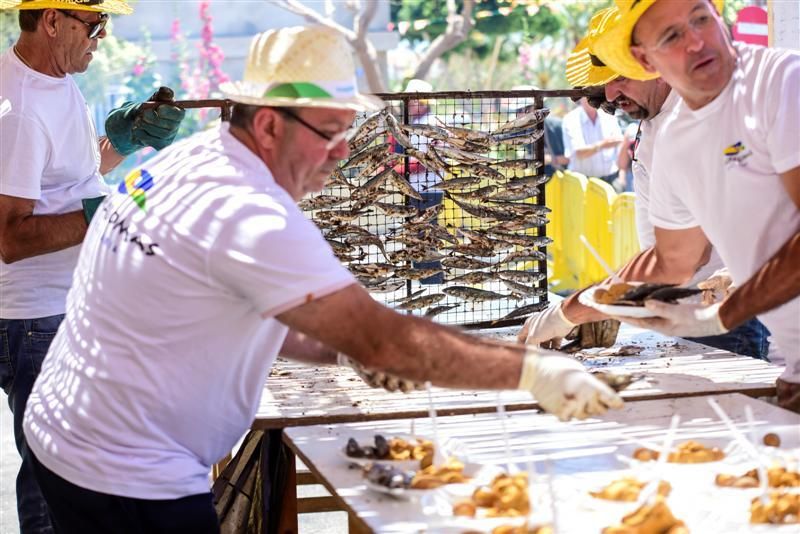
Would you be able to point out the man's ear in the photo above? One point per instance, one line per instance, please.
(638, 52)
(266, 127)
(48, 22)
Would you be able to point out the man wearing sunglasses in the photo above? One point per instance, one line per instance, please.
(51, 166)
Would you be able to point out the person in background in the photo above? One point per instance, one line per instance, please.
(51, 166)
(420, 177)
(591, 142)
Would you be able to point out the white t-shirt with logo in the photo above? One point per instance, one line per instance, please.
(580, 131)
(48, 153)
(170, 331)
(641, 186)
(718, 168)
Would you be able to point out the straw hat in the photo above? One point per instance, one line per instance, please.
(583, 67)
(112, 7)
(300, 67)
(614, 46)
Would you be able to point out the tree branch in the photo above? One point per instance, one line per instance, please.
(458, 27)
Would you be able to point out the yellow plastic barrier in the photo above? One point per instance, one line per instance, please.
(556, 267)
(623, 229)
(600, 196)
(571, 214)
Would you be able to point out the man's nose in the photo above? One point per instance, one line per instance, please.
(612, 91)
(694, 40)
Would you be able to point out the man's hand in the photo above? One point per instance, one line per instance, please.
(719, 283)
(129, 127)
(546, 328)
(564, 387)
(682, 320)
(378, 379)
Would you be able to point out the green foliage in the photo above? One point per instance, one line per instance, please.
(515, 25)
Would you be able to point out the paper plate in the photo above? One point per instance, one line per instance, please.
(587, 299)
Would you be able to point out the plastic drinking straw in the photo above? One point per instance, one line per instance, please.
(614, 278)
(762, 472)
(651, 489)
(501, 412)
(437, 453)
(548, 465)
(743, 441)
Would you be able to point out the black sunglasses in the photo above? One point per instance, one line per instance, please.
(94, 27)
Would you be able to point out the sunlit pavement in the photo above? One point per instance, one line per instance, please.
(9, 464)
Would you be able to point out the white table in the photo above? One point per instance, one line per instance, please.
(579, 455)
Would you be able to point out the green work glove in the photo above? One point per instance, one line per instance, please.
(90, 206)
(129, 127)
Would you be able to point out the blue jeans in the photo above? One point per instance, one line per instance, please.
(23, 346)
(749, 339)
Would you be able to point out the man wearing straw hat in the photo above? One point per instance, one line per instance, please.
(188, 287)
(727, 168)
(50, 184)
(651, 102)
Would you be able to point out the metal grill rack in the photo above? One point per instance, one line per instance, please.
(433, 218)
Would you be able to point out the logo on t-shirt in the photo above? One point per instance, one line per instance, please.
(736, 154)
(136, 185)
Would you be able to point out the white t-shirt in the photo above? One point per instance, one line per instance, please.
(641, 186)
(48, 153)
(170, 331)
(717, 167)
(579, 131)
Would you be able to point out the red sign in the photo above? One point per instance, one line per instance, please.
(752, 26)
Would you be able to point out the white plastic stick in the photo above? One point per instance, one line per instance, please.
(762, 471)
(501, 412)
(614, 278)
(548, 465)
(438, 454)
(651, 489)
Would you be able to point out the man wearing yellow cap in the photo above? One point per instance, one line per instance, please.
(727, 168)
(190, 284)
(651, 101)
(51, 165)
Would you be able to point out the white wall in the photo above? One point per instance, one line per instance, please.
(784, 18)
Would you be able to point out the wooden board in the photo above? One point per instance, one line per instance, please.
(296, 394)
(570, 458)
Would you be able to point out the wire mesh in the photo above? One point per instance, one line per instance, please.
(440, 209)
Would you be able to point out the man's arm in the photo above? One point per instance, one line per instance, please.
(24, 235)
(413, 348)
(674, 259)
(109, 157)
(300, 347)
(778, 280)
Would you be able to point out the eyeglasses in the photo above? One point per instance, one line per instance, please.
(676, 37)
(332, 140)
(94, 27)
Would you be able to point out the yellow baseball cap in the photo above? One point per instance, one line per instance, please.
(112, 7)
(583, 67)
(613, 47)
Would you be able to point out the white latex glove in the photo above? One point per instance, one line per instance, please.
(682, 320)
(546, 328)
(378, 379)
(564, 387)
(720, 283)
